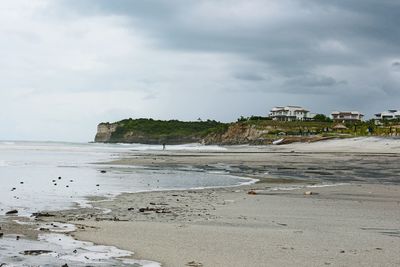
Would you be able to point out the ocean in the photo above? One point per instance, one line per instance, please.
(38, 176)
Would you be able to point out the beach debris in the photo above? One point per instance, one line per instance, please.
(157, 210)
(277, 142)
(103, 171)
(42, 214)
(35, 252)
(21, 182)
(252, 192)
(97, 185)
(131, 209)
(146, 209)
(12, 212)
(308, 193)
(194, 264)
(13, 189)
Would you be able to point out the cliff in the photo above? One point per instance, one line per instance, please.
(246, 131)
(104, 132)
(239, 133)
(149, 131)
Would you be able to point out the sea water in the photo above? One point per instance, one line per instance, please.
(52, 176)
(37, 176)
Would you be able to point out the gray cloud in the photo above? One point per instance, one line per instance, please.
(179, 58)
(292, 36)
(313, 81)
(249, 77)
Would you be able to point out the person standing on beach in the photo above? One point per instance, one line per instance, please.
(163, 146)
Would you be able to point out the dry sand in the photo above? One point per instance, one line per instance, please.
(341, 226)
(357, 224)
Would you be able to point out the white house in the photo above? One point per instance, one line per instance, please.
(289, 113)
(347, 116)
(391, 114)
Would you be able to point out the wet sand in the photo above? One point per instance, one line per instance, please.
(353, 224)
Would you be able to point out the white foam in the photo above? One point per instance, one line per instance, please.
(86, 252)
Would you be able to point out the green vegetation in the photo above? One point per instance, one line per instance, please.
(245, 130)
(322, 117)
(166, 130)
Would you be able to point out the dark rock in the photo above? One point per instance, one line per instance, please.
(35, 252)
(131, 208)
(64, 265)
(42, 214)
(146, 209)
(103, 171)
(1, 235)
(12, 212)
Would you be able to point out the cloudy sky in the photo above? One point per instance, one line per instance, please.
(67, 65)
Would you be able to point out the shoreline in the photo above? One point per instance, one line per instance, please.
(227, 216)
(267, 227)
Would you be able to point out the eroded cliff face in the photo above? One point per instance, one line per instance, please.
(235, 134)
(104, 132)
(238, 134)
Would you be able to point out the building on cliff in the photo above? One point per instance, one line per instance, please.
(391, 114)
(290, 113)
(347, 116)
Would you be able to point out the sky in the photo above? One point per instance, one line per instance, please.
(67, 65)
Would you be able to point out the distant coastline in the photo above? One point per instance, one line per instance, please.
(251, 131)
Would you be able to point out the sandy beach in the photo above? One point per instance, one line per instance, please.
(332, 204)
(356, 223)
(341, 226)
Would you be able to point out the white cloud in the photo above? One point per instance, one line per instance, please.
(71, 64)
